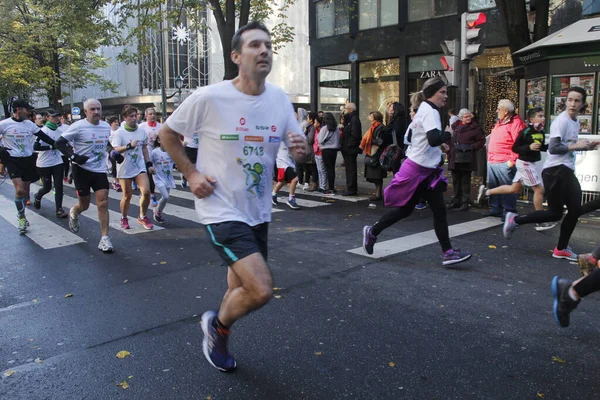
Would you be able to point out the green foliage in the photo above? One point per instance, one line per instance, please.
(39, 39)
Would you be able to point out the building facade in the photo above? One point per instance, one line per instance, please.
(373, 52)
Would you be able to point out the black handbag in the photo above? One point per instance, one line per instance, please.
(463, 153)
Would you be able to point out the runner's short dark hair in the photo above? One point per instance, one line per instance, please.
(128, 109)
(531, 113)
(112, 119)
(236, 42)
(582, 92)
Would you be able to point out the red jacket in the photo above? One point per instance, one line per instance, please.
(502, 138)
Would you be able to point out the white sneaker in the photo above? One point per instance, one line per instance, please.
(480, 194)
(105, 245)
(305, 186)
(544, 226)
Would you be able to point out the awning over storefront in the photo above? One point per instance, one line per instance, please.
(580, 38)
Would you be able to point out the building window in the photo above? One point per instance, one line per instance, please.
(419, 10)
(334, 88)
(478, 5)
(379, 86)
(376, 13)
(332, 18)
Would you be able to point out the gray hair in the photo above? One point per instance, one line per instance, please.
(463, 112)
(507, 105)
(88, 101)
(352, 106)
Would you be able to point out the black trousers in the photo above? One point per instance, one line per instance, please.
(303, 171)
(351, 172)
(47, 175)
(562, 189)
(435, 198)
(461, 180)
(329, 156)
(66, 164)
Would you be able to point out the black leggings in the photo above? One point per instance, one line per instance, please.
(435, 198)
(47, 175)
(66, 164)
(589, 284)
(562, 188)
(329, 156)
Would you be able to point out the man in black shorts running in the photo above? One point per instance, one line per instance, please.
(240, 124)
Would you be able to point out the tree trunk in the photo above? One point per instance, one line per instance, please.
(514, 18)
(542, 10)
(226, 27)
(56, 90)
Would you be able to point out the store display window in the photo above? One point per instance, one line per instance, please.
(558, 97)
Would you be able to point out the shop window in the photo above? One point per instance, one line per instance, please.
(334, 88)
(535, 94)
(379, 86)
(478, 5)
(558, 98)
(376, 13)
(419, 10)
(332, 17)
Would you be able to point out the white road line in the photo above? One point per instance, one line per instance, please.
(352, 199)
(303, 202)
(45, 233)
(411, 242)
(92, 213)
(188, 214)
(182, 194)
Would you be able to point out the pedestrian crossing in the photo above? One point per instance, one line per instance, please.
(48, 234)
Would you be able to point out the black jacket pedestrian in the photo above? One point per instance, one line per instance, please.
(465, 134)
(352, 134)
(309, 131)
(526, 137)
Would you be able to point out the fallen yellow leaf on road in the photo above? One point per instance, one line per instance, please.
(318, 353)
(163, 262)
(123, 384)
(130, 376)
(126, 280)
(39, 360)
(68, 295)
(35, 300)
(123, 354)
(391, 364)
(276, 288)
(277, 296)
(491, 246)
(9, 372)
(558, 359)
(540, 395)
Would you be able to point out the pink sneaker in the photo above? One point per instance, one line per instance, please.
(124, 223)
(145, 222)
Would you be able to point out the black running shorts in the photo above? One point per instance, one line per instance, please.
(22, 167)
(235, 240)
(85, 180)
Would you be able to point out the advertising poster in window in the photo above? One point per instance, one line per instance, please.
(559, 91)
(535, 96)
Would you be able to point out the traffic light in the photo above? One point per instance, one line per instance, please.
(470, 33)
(450, 61)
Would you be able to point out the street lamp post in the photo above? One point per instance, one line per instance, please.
(179, 86)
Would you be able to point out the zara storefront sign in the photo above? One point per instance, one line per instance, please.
(430, 74)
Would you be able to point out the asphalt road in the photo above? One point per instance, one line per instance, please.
(340, 326)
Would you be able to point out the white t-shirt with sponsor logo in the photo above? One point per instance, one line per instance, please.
(567, 129)
(49, 158)
(90, 140)
(163, 165)
(419, 151)
(17, 136)
(239, 136)
(133, 163)
(284, 158)
(151, 133)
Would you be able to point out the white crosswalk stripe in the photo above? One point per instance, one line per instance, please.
(42, 231)
(92, 213)
(411, 242)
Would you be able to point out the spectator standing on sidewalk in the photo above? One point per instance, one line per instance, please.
(350, 145)
(329, 144)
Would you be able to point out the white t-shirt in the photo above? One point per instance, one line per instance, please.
(90, 140)
(163, 165)
(193, 143)
(239, 136)
(17, 136)
(567, 129)
(419, 151)
(133, 163)
(49, 158)
(151, 133)
(284, 158)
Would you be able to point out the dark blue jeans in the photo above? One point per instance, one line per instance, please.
(498, 175)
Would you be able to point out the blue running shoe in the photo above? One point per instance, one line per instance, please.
(420, 206)
(563, 303)
(153, 201)
(454, 256)
(214, 344)
(292, 203)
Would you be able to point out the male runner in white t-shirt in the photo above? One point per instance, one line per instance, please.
(561, 185)
(16, 153)
(90, 139)
(151, 127)
(240, 125)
